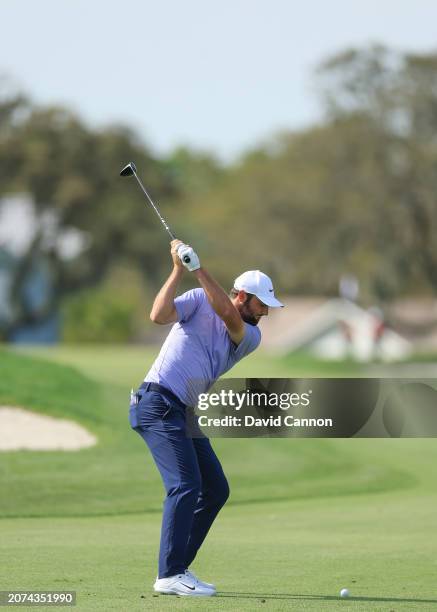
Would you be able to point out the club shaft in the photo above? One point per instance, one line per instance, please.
(163, 221)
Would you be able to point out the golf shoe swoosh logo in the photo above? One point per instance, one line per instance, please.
(188, 587)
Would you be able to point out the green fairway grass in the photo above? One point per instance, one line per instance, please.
(127, 365)
(291, 555)
(306, 517)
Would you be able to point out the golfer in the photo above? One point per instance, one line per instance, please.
(211, 332)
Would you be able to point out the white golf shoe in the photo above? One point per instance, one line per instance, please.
(182, 584)
(208, 585)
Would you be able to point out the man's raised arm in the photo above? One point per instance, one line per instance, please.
(222, 305)
(163, 309)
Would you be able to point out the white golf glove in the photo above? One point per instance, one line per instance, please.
(188, 257)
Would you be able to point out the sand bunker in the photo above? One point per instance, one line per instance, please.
(24, 430)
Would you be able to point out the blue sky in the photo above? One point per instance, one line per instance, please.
(221, 76)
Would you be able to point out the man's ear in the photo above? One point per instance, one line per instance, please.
(242, 296)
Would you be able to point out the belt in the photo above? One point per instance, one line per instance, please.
(150, 386)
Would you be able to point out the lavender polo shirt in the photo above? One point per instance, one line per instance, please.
(198, 349)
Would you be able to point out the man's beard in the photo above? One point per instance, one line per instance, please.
(247, 314)
(249, 317)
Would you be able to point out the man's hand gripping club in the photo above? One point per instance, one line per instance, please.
(184, 255)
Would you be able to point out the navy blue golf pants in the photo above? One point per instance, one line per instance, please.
(192, 475)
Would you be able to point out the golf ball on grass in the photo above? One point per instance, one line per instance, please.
(344, 593)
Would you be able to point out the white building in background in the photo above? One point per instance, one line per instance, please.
(335, 329)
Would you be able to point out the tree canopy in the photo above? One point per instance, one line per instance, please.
(354, 194)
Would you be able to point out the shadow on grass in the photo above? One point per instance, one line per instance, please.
(309, 597)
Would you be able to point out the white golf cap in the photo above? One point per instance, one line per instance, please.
(259, 284)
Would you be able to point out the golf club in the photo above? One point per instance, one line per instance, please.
(131, 170)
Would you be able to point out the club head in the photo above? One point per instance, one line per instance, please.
(129, 169)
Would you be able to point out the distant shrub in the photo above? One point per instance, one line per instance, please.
(112, 312)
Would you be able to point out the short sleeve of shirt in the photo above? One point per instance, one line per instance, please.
(251, 339)
(187, 304)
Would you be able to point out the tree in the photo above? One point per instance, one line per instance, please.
(71, 173)
(397, 94)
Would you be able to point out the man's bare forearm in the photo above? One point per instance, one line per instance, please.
(163, 306)
(217, 296)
